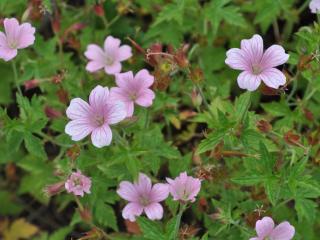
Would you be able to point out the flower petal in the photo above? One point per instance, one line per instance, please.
(264, 227)
(113, 69)
(94, 66)
(159, 192)
(3, 40)
(144, 184)
(154, 211)
(94, 52)
(78, 129)
(26, 35)
(131, 211)
(111, 45)
(11, 26)
(98, 98)
(145, 98)
(78, 109)
(144, 79)
(253, 48)
(128, 191)
(124, 53)
(238, 59)
(101, 136)
(273, 78)
(123, 79)
(273, 57)
(115, 112)
(248, 81)
(7, 53)
(284, 231)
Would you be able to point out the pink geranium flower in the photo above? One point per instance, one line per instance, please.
(184, 188)
(15, 37)
(94, 118)
(315, 6)
(142, 196)
(109, 58)
(257, 65)
(78, 184)
(133, 89)
(265, 230)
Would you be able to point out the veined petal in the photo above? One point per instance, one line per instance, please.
(144, 184)
(113, 69)
(253, 48)
(26, 35)
(131, 211)
(78, 109)
(264, 227)
(115, 112)
(11, 26)
(98, 98)
(101, 136)
(78, 129)
(273, 78)
(143, 79)
(284, 231)
(123, 79)
(7, 53)
(111, 45)
(154, 211)
(128, 191)
(159, 192)
(274, 56)
(95, 53)
(247, 80)
(124, 53)
(238, 59)
(93, 66)
(145, 98)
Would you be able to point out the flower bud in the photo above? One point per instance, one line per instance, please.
(99, 10)
(52, 113)
(196, 98)
(264, 126)
(53, 189)
(30, 84)
(196, 75)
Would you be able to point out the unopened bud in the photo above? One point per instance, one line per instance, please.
(264, 126)
(85, 215)
(196, 75)
(98, 9)
(52, 113)
(30, 84)
(54, 189)
(196, 98)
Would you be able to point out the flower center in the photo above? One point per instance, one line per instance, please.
(99, 120)
(256, 69)
(109, 60)
(266, 238)
(77, 182)
(133, 96)
(144, 201)
(13, 44)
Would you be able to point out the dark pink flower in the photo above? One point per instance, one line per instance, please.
(142, 196)
(15, 37)
(78, 184)
(109, 58)
(266, 230)
(133, 90)
(184, 188)
(256, 64)
(94, 118)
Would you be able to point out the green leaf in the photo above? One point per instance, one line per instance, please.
(211, 141)
(34, 145)
(249, 180)
(272, 189)
(242, 105)
(104, 215)
(173, 11)
(151, 229)
(306, 209)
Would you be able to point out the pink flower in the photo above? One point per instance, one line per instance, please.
(15, 37)
(142, 196)
(184, 188)
(265, 230)
(257, 65)
(94, 118)
(315, 6)
(133, 89)
(78, 184)
(108, 58)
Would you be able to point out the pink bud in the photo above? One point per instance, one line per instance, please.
(30, 84)
(54, 189)
(52, 113)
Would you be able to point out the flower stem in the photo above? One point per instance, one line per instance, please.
(182, 208)
(15, 76)
(204, 100)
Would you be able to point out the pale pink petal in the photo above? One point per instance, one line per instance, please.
(193, 186)
(274, 56)
(98, 98)
(237, 59)
(284, 231)
(78, 109)
(11, 26)
(119, 94)
(101, 136)
(111, 45)
(113, 69)
(7, 53)
(131, 211)
(247, 80)
(144, 184)
(264, 227)
(314, 6)
(145, 98)
(144, 79)
(93, 66)
(94, 52)
(26, 35)
(78, 129)
(3, 40)
(130, 108)
(255, 238)
(124, 53)
(128, 192)
(159, 192)
(253, 48)
(273, 78)
(122, 79)
(115, 112)
(154, 211)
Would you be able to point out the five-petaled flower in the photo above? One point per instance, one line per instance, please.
(15, 37)
(184, 188)
(142, 196)
(133, 89)
(109, 58)
(78, 184)
(257, 65)
(266, 230)
(94, 117)
(315, 6)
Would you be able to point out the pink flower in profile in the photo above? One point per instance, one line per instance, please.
(78, 184)
(94, 118)
(184, 188)
(142, 196)
(315, 6)
(256, 64)
(133, 89)
(109, 58)
(265, 230)
(15, 37)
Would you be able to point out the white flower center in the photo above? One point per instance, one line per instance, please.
(12, 44)
(77, 182)
(99, 120)
(144, 201)
(133, 96)
(256, 69)
(109, 60)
